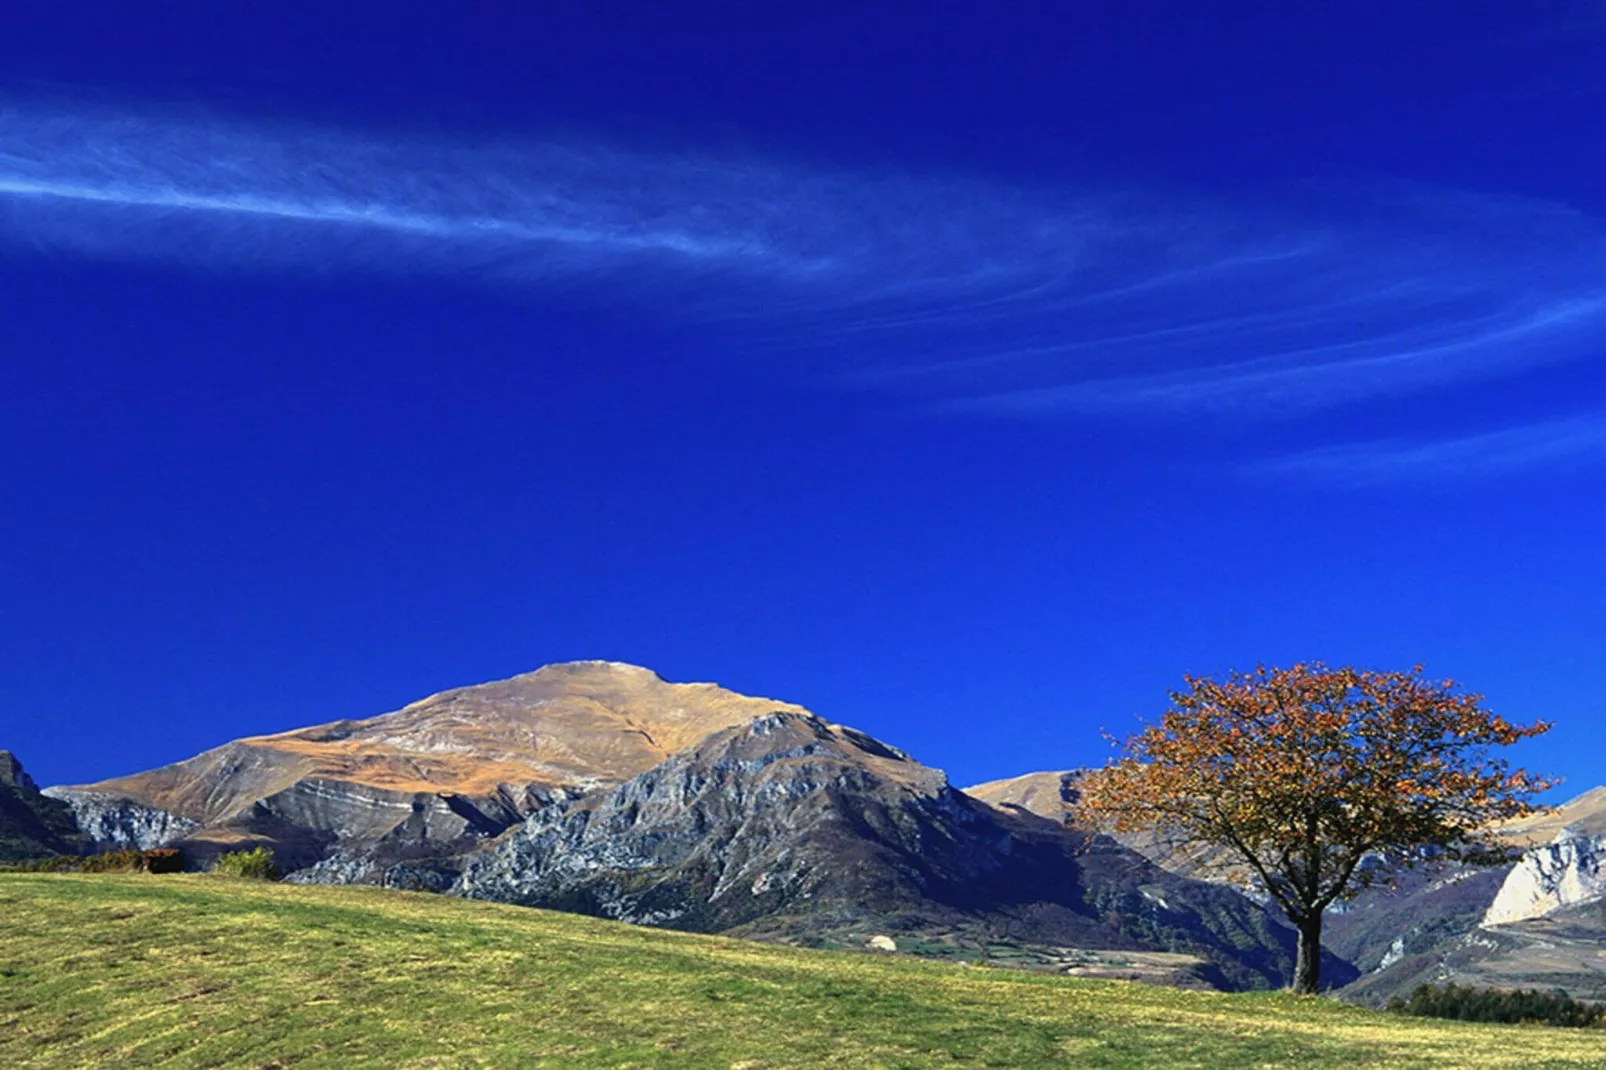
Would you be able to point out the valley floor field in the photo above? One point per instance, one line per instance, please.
(201, 971)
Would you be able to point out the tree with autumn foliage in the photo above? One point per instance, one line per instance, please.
(1322, 781)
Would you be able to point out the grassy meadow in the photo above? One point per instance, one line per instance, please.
(204, 971)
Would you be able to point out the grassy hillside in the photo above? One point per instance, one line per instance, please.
(202, 971)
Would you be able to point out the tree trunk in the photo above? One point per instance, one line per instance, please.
(1308, 967)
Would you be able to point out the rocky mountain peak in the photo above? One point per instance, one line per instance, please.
(570, 725)
(1046, 794)
(1584, 815)
(596, 668)
(458, 765)
(12, 775)
(31, 824)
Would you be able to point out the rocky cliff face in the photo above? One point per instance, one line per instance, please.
(31, 824)
(112, 823)
(13, 776)
(1568, 872)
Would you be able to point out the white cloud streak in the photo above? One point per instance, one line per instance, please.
(1555, 446)
(956, 294)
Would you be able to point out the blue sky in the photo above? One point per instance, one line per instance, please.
(969, 376)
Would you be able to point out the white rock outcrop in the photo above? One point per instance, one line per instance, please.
(1569, 870)
(115, 823)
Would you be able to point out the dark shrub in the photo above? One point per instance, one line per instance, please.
(255, 864)
(164, 860)
(156, 860)
(1468, 1004)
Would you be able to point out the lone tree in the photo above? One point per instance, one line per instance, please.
(1323, 781)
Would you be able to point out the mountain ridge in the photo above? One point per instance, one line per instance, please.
(600, 787)
(456, 765)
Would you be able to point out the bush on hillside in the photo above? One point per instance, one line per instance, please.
(114, 862)
(1467, 1004)
(255, 864)
(156, 860)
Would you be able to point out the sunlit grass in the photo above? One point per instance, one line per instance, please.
(203, 971)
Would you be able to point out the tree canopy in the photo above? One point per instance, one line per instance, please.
(1321, 780)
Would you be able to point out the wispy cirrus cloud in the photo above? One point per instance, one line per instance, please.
(1555, 445)
(957, 294)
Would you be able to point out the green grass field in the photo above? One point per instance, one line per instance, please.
(201, 971)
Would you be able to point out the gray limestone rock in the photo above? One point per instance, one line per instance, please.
(113, 823)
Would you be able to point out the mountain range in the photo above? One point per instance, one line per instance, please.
(601, 788)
